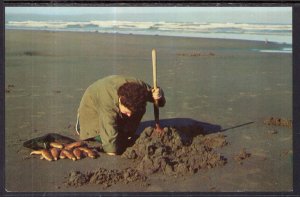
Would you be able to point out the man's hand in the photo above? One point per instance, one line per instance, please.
(112, 154)
(156, 93)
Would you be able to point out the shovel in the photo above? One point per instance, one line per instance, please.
(155, 103)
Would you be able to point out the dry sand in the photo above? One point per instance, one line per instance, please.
(220, 85)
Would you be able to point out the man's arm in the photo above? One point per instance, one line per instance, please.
(158, 94)
(108, 132)
(153, 94)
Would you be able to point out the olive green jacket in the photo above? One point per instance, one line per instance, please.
(99, 110)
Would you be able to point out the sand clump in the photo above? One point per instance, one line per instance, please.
(279, 122)
(104, 177)
(9, 88)
(242, 155)
(176, 152)
(196, 54)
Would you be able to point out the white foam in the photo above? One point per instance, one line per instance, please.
(270, 32)
(160, 25)
(274, 51)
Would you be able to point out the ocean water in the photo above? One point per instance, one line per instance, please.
(267, 32)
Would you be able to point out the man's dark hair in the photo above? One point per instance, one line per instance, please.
(133, 96)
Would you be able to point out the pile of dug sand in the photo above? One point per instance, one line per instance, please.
(103, 177)
(178, 151)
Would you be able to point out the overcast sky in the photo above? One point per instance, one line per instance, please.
(252, 14)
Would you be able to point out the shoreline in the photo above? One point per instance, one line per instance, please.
(141, 34)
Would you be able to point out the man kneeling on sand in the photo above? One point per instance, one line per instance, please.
(112, 108)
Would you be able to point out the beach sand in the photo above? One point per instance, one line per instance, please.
(228, 84)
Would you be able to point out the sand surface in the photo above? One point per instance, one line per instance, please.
(226, 87)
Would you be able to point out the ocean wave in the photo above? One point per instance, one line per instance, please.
(261, 32)
(282, 50)
(275, 51)
(161, 26)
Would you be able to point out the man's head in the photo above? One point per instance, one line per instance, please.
(133, 98)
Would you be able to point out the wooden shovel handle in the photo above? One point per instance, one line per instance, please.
(155, 104)
(154, 68)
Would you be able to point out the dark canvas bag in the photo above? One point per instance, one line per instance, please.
(44, 141)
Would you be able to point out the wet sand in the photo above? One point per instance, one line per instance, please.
(224, 86)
